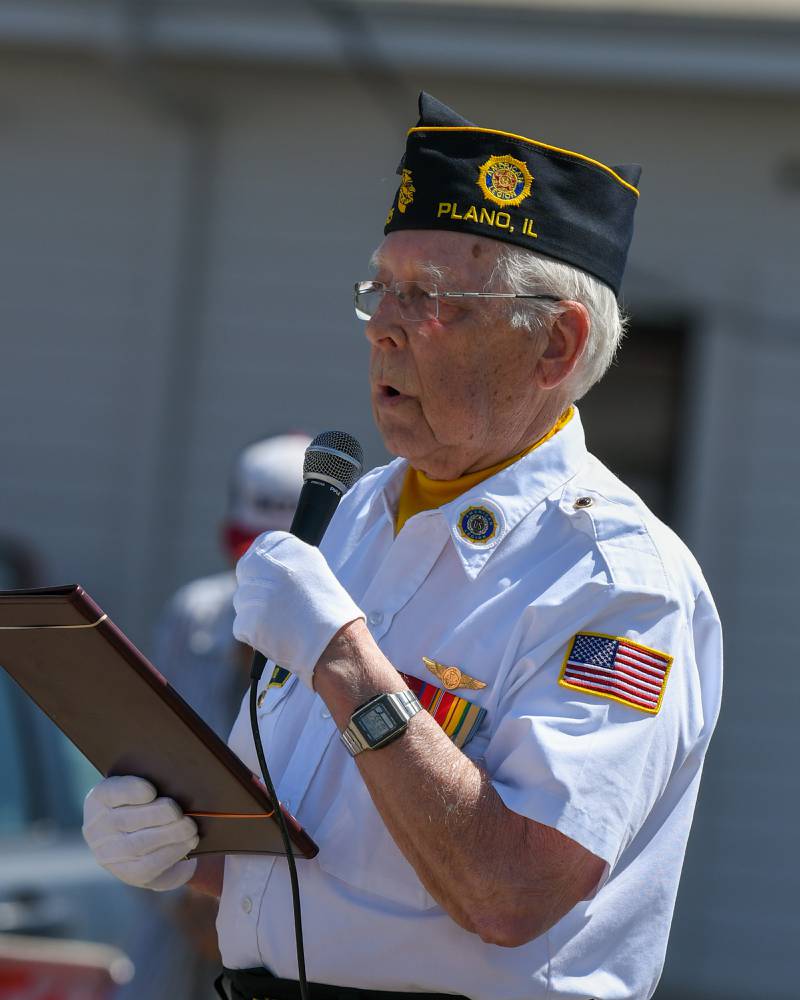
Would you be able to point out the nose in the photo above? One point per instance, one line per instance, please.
(385, 329)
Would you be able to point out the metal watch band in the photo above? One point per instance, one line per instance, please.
(405, 703)
(353, 741)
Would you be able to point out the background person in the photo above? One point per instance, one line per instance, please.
(176, 954)
(522, 837)
(195, 648)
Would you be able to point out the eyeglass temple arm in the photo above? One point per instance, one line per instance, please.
(494, 295)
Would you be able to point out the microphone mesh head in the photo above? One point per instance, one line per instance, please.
(336, 456)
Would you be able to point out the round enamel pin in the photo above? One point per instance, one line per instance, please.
(477, 524)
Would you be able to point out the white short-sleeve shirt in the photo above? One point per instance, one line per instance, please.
(499, 583)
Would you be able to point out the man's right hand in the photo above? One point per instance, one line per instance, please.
(140, 838)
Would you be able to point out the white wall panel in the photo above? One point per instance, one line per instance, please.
(734, 928)
(87, 188)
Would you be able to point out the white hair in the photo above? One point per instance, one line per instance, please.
(526, 272)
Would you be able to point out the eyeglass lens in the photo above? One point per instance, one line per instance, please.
(415, 302)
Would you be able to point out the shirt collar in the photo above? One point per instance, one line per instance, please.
(481, 518)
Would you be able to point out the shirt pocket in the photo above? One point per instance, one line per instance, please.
(269, 703)
(356, 847)
(280, 683)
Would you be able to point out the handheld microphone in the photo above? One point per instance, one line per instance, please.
(332, 463)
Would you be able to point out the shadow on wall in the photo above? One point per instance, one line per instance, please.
(20, 567)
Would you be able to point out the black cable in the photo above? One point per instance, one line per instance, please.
(256, 671)
(333, 462)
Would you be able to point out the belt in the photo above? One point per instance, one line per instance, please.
(259, 984)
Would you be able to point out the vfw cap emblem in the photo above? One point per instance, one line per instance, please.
(505, 180)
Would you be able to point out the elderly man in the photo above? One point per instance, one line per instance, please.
(522, 662)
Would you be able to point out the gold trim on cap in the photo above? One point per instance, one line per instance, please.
(23, 628)
(524, 138)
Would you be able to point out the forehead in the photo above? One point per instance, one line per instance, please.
(418, 253)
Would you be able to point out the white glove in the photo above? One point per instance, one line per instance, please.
(141, 839)
(289, 605)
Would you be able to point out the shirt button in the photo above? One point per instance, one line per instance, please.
(261, 698)
(375, 617)
(583, 502)
(325, 713)
(247, 904)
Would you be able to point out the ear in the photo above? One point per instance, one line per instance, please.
(566, 343)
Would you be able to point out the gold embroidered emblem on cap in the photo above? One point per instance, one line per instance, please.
(505, 180)
(452, 677)
(405, 196)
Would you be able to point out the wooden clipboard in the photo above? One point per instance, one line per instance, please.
(119, 711)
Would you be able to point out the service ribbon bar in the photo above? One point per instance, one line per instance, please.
(458, 717)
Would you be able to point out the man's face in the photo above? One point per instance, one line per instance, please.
(457, 393)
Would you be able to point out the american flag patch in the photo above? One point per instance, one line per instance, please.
(618, 668)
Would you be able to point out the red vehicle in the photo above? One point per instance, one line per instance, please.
(52, 892)
(42, 969)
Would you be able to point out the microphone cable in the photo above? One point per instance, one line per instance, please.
(257, 669)
(333, 462)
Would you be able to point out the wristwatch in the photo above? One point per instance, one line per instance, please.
(379, 721)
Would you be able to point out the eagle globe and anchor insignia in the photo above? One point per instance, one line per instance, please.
(477, 524)
(505, 180)
(405, 195)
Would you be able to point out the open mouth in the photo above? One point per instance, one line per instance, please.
(386, 394)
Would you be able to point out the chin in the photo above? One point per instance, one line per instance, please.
(395, 445)
(402, 443)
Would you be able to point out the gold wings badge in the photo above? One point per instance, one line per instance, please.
(452, 677)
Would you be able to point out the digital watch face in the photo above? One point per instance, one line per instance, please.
(377, 722)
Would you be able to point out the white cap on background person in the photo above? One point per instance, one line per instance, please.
(264, 489)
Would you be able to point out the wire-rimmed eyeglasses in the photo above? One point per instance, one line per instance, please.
(418, 301)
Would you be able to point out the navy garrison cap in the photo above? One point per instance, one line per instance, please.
(467, 179)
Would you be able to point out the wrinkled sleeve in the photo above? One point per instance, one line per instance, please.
(587, 765)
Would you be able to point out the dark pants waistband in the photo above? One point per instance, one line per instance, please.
(258, 984)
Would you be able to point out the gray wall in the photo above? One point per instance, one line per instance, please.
(177, 251)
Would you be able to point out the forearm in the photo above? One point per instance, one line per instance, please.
(449, 823)
(468, 849)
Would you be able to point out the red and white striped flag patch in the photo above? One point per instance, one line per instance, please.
(617, 668)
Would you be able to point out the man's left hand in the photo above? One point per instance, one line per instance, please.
(289, 605)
